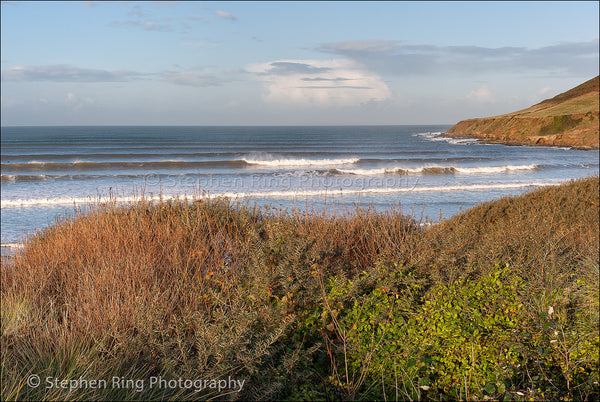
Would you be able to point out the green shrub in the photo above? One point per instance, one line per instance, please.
(470, 339)
(457, 341)
(559, 124)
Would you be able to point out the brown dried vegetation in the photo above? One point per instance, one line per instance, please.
(208, 289)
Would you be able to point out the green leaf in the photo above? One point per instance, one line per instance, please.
(424, 381)
(490, 388)
(426, 359)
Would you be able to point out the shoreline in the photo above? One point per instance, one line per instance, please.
(12, 246)
(9, 249)
(514, 143)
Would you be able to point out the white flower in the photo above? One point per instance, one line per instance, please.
(550, 311)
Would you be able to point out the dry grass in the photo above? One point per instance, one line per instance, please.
(177, 289)
(550, 231)
(207, 289)
(587, 103)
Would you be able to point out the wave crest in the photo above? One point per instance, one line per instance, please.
(433, 170)
(291, 162)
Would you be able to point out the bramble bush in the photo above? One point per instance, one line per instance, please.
(471, 339)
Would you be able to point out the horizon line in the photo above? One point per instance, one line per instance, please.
(223, 125)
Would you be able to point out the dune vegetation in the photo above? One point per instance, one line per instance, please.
(498, 302)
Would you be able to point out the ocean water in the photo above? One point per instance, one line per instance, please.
(47, 172)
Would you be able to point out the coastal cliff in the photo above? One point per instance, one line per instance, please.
(569, 119)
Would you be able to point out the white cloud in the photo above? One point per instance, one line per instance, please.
(339, 82)
(547, 92)
(70, 97)
(225, 15)
(481, 95)
(76, 102)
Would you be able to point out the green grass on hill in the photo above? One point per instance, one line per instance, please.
(579, 100)
(500, 301)
(592, 85)
(586, 103)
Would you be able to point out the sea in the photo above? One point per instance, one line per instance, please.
(50, 172)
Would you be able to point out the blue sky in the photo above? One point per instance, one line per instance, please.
(280, 63)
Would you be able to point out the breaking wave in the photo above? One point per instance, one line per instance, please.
(433, 170)
(300, 162)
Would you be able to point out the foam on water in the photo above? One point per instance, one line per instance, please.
(33, 202)
(438, 170)
(438, 136)
(300, 162)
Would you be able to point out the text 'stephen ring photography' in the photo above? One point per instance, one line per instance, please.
(300, 201)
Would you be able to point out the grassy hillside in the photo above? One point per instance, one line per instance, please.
(500, 301)
(568, 119)
(592, 85)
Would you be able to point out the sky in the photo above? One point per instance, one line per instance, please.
(288, 63)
